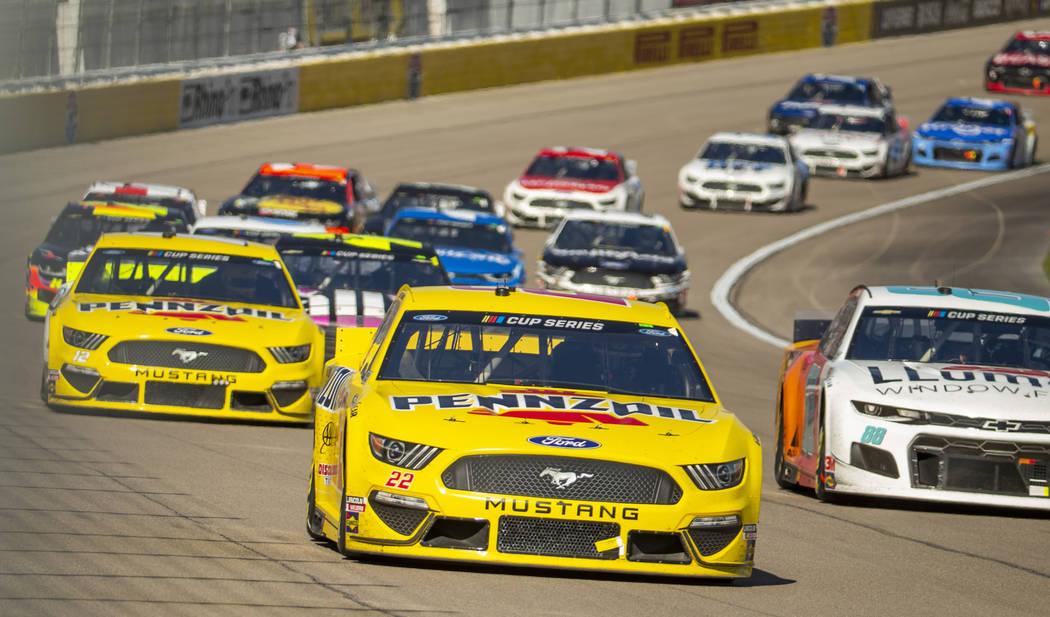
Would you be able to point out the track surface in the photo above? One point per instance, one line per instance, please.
(107, 515)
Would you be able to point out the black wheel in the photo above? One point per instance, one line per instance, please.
(779, 469)
(43, 384)
(820, 482)
(314, 519)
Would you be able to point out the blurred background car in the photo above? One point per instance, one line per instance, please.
(142, 194)
(800, 105)
(970, 133)
(255, 228)
(1022, 66)
(849, 141)
(431, 195)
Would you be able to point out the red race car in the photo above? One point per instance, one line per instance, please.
(1023, 65)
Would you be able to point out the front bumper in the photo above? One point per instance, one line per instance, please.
(1017, 79)
(672, 294)
(545, 210)
(89, 379)
(693, 195)
(457, 525)
(941, 464)
(845, 164)
(961, 155)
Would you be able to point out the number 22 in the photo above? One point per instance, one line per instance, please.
(400, 479)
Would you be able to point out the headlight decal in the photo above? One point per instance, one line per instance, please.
(716, 476)
(292, 354)
(82, 339)
(403, 454)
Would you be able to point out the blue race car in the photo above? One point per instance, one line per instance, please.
(795, 110)
(476, 248)
(969, 133)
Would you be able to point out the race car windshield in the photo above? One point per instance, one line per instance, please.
(544, 351)
(367, 271)
(952, 336)
(436, 200)
(839, 92)
(839, 122)
(975, 115)
(756, 153)
(296, 186)
(180, 274)
(79, 229)
(1028, 46)
(591, 235)
(575, 167)
(463, 234)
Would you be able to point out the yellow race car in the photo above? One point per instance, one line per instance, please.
(531, 428)
(169, 323)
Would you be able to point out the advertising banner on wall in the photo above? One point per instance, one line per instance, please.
(242, 96)
(899, 17)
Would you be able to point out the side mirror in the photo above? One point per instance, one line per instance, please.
(202, 207)
(903, 122)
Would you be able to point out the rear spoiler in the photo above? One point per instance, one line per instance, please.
(811, 324)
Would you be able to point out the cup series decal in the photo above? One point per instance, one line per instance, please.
(189, 331)
(569, 443)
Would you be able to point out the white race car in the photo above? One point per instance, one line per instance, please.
(929, 393)
(851, 141)
(265, 229)
(142, 194)
(563, 179)
(744, 171)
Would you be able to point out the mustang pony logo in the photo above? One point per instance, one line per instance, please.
(563, 479)
(188, 355)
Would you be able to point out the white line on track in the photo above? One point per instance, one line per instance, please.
(724, 285)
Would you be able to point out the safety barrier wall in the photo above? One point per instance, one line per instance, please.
(79, 115)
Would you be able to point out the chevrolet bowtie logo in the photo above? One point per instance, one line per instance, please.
(1004, 426)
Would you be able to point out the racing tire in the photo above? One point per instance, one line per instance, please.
(778, 455)
(818, 482)
(314, 519)
(43, 384)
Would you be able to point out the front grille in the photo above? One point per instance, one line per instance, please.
(989, 424)
(721, 185)
(1021, 77)
(402, 520)
(83, 382)
(570, 204)
(580, 479)
(710, 541)
(187, 355)
(613, 278)
(525, 535)
(184, 395)
(831, 153)
(957, 155)
(976, 465)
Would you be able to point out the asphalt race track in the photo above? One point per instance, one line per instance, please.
(105, 515)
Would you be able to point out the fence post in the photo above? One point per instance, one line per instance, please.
(107, 49)
(226, 26)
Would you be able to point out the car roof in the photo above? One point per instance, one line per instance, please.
(844, 79)
(116, 209)
(1033, 35)
(378, 244)
(960, 298)
(437, 186)
(160, 191)
(537, 302)
(258, 223)
(750, 138)
(308, 170)
(470, 216)
(635, 218)
(594, 153)
(186, 242)
(969, 101)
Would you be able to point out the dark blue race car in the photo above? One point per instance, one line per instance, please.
(795, 110)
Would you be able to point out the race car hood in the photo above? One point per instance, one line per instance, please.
(345, 307)
(816, 137)
(566, 184)
(736, 170)
(614, 260)
(151, 317)
(962, 131)
(805, 109)
(1016, 59)
(959, 389)
(472, 261)
(553, 421)
(285, 206)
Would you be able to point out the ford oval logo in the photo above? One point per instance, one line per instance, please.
(654, 332)
(569, 443)
(188, 331)
(430, 318)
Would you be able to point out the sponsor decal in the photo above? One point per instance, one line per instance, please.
(555, 408)
(431, 318)
(352, 522)
(960, 380)
(230, 98)
(564, 508)
(355, 503)
(696, 41)
(751, 532)
(327, 437)
(327, 472)
(989, 317)
(181, 309)
(652, 47)
(541, 322)
(186, 331)
(52, 379)
(654, 332)
(563, 479)
(207, 377)
(740, 36)
(570, 443)
(333, 389)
